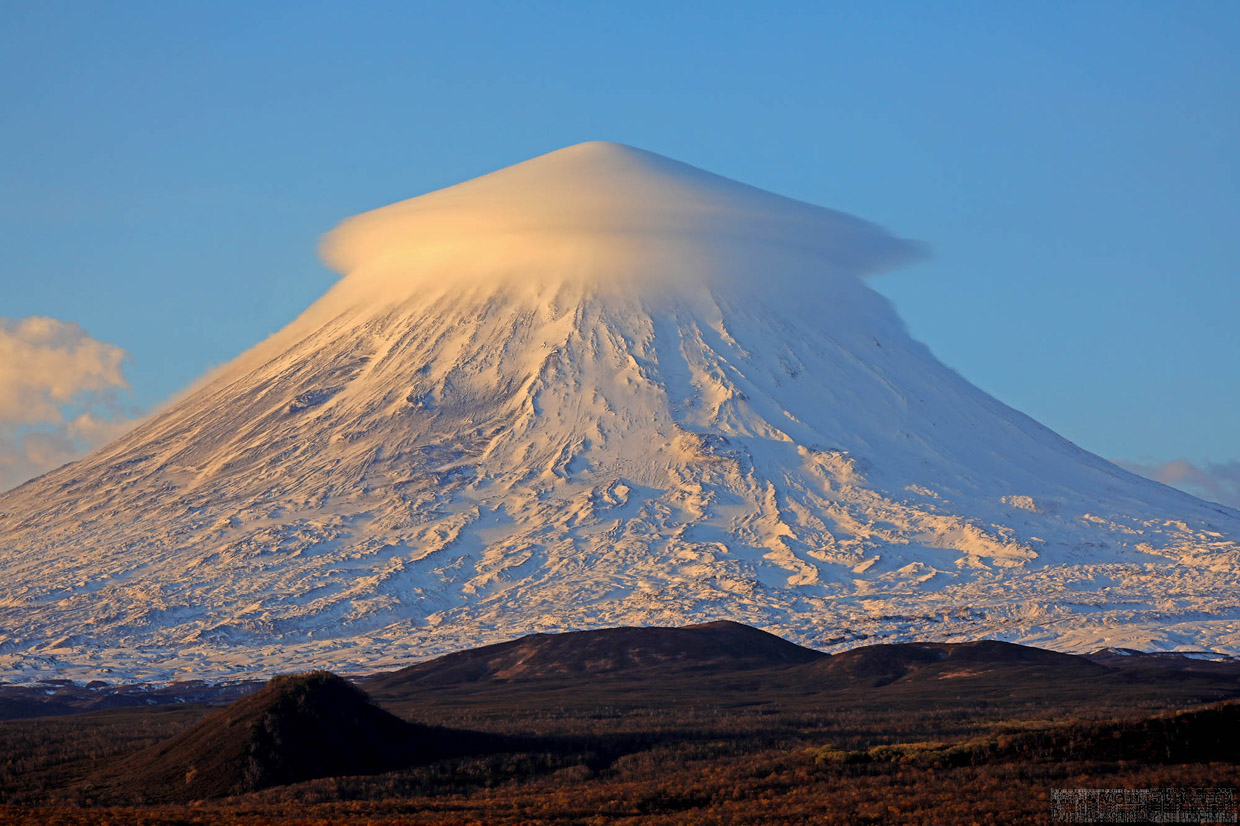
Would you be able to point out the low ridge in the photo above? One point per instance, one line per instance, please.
(729, 665)
(722, 646)
(879, 665)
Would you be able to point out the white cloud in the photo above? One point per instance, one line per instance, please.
(58, 395)
(1216, 481)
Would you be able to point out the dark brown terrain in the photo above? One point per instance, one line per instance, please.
(715, 723)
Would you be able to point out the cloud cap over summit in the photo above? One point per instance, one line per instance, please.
(600, 200)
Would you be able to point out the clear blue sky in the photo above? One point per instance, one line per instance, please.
(167, 168)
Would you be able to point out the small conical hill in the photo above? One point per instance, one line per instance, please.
(298, 727)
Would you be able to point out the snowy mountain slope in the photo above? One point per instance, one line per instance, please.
(600, 387)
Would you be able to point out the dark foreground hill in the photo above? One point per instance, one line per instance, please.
(298, 727)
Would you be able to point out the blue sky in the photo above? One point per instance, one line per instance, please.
(167, 168)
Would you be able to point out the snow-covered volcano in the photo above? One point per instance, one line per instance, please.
(600, 387)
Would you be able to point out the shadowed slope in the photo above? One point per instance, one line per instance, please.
(1210, 734)
(298, 727)
(1200, 735)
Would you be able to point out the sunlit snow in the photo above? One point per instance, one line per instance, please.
(597, 388)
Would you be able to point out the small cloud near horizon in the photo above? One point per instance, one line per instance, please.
(1216, 481)
(59, 395)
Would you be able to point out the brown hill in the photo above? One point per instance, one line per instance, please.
(297, 727)
(709, 647)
